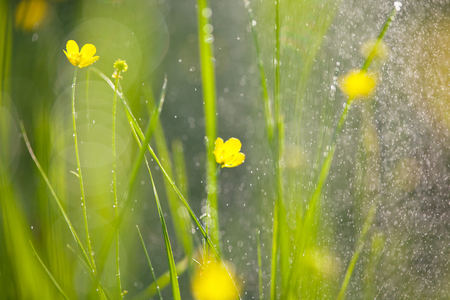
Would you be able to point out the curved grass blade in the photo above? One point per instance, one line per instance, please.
(49, 274)
(367, 224)
(172, 269)
(162, 281)
(52, 191)
(150, 263)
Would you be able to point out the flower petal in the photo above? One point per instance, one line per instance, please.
(231, 147)
(72, 48)
(218, 149)
(236, 161)
(88, 62)
(88, 51)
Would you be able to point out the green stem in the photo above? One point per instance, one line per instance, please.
(80, 175)
(277, 155)
(209, 96)
(265, 94)
(87, 100)
(116, 205)
(379, 39)
(258, 245)
(367, 224)
(150, 264)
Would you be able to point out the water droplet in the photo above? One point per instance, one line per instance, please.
(207, 12)
(398, 5)
(209, 38)
(253, 23)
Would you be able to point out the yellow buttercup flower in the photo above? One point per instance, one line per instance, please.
(82, 58)
(228, 153)
(212, 282)
(358, 84)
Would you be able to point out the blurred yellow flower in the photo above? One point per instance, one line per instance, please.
(80, 59)
(213, 282)
(30, 14)
(357, 83)
(379, 50)
(228, 153)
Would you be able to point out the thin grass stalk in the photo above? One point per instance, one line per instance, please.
(277, 157)
(58, 287)
(265, 94)
(162, 281)
(181, 223)
(172, 268)
(77, 240)
(360, 246)
(114, 182)
(150, 264)
(386, 25)
(209, 98)
(136, 165)
(52, 191)
(5, 45)
(87, 99)
(258, 247)
(79, 173)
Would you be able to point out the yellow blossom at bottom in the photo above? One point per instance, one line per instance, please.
(357, 83)
(212, 282)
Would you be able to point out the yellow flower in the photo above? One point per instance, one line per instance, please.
(228, 153)
(30, 15)
(212, 282)
(358, 84)
(80, 59)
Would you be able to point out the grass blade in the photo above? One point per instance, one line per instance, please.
(181, 222)
(367, 224)
(162, 280)
(172, 269)
(209, 99)
(150, 263)
(265, 94)
(52, 191)
(258, 245)
(49, 274)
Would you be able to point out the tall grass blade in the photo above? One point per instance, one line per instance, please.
(209, 98)
(172, 268)
(260, 283)
(150, 264)
(181, 222)
(360, 245)
(61, 291)
(162, 281)
(52, 191)
(265, 93)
